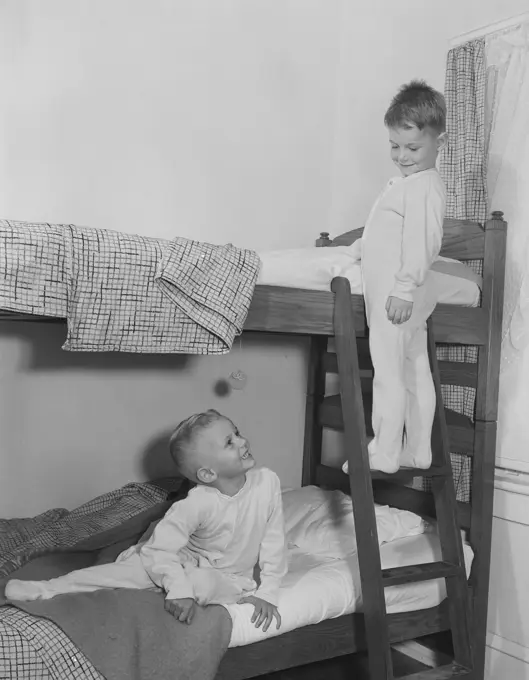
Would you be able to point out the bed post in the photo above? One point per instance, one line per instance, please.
(315, 394)
(312, 442)
(485, 432)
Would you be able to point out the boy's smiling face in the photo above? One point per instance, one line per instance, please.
(414, 150)
(223, 450)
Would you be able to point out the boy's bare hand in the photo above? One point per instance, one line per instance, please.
(398, 311)
(182, 609)
(264, 612)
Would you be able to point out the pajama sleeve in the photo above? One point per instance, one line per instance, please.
(273, 552)
(160, 556)
(424, 211)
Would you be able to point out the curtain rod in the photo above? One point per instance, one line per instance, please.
(489, 29)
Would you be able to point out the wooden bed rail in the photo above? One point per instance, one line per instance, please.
(462, 239)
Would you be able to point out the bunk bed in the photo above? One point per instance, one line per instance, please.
(310, 313)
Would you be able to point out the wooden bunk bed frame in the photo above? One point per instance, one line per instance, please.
(310, 313)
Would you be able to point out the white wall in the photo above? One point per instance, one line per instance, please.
(508, 620)
(386, 44)
(248, 121)
(210, 120)
(76, 424)
(200, 118)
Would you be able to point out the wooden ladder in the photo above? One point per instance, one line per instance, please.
(374, 579)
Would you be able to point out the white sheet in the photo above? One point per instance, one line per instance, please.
(318, 588)
(321, 522)
(315, 268)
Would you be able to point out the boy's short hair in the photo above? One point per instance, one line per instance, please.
(181, 440)
(417, 104)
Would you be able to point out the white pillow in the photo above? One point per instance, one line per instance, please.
(456, 282)
(455, 290)
(309, 268)
(321, 522)
(315, 268)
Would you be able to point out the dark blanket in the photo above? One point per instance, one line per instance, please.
(126, 634)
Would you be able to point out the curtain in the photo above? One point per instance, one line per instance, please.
(463, 164)
(463, 167)
(507, 55)
(487, 94)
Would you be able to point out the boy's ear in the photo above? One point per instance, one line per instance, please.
(206, 475)
(442, 141)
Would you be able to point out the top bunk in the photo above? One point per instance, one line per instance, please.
(309, 312)
(277, 309)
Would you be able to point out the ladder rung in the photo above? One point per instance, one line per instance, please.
(451, 372)
(406, 473)
(451, 670)
(413, 573)
(330, 363)
(420, 502)
(335, 478)
(460, 428)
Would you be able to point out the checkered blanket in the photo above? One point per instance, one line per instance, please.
(34, 648)
(59, 530)
(127, 293)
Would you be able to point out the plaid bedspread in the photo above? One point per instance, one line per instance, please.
(33, 648)
(59, 530)
(126, 293)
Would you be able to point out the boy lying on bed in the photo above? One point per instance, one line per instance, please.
(206, 547)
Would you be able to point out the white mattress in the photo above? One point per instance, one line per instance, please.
(315, 268)
(318, 588)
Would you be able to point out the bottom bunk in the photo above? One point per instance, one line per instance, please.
(37, 649)
(328, 639)
(318, 600)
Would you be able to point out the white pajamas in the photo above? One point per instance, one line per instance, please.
(401, 240)
(206, 548)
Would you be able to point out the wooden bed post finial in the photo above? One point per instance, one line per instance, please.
(496, 221)
(324, 240)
